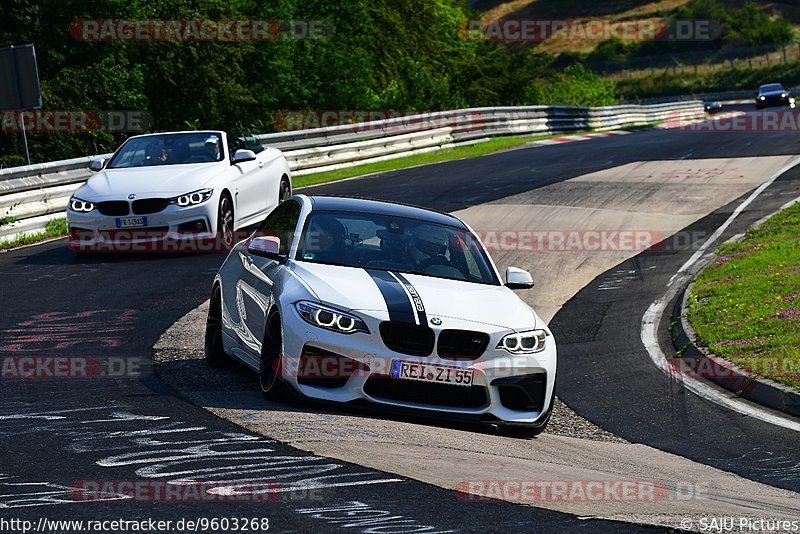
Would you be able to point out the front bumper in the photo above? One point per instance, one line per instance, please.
(172, 229)
(775, 101)
(357, 367)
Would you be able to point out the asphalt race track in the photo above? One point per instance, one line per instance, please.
(602, 360)
(122, 423)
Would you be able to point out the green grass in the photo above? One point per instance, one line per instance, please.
(55, 228)
(724, 79)
(745, 306)
(446, 154)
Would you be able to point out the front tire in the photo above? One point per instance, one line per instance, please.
(271, 362)
(284, 191)
(214, 350)
(225, 222)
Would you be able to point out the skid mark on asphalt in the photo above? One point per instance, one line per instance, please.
(630, 272)
(62, 273)
(63, 330)
(779, 468)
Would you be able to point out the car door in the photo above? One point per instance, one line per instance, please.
(243, 181)
(254, 289)
(269, 177)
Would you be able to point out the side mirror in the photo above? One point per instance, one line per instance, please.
(265, 247)
(96, 165)
(518, 278)
(243, 155)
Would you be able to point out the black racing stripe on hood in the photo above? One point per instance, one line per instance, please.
(394, 295)
(415, 298)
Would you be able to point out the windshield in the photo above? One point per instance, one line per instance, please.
(169, 149)
(382, 242)
(771, 87)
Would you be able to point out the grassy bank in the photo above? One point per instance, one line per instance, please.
(745, 306)
(683, 83)
(446, 154)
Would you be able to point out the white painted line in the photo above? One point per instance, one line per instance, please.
(701, 388)
(710, 241)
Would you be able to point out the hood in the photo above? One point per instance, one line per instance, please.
(773, 93)
(357, 289)
(163, 181)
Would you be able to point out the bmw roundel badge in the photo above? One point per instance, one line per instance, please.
(436, 321)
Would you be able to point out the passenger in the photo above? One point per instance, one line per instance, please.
(326, 240)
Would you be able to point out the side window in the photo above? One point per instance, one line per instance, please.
(282, 223)
(234, 143)
(251, 143)
(246, 141)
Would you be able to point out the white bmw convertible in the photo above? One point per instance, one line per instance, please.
(168, 188)
(352, 300)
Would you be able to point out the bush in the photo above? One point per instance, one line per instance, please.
(576, 86)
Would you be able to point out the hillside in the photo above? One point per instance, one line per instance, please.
(611, 10)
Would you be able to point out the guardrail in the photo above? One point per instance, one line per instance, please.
(37, 194)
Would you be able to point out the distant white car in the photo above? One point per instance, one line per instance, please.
(173, 187)
(352, 300)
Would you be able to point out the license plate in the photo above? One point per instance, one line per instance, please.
(131, 222)
(425, 372)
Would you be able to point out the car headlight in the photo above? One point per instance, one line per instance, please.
(762, 97)
(80, 206)
(330, 319)
(524, 342)
(192, 199)
(783, 95)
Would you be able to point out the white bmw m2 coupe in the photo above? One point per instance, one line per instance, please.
(352, 300)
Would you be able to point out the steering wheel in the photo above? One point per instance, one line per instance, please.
(199, 159)
(432, 261)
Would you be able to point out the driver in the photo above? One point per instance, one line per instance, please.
(155, 155)
(432, 243)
